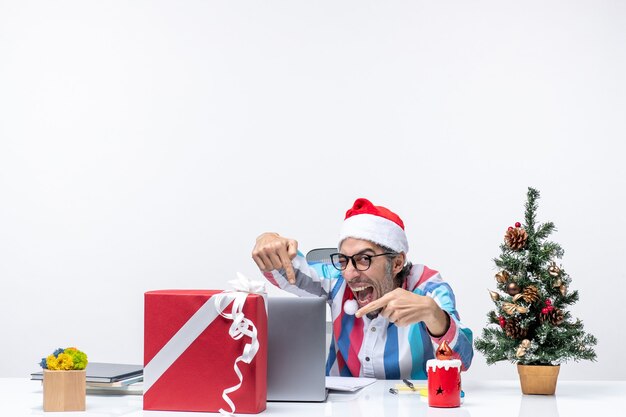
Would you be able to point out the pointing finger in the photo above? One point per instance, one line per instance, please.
(288, 267)
(374, 305)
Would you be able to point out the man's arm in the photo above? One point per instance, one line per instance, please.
(281, 263)
(403, 309)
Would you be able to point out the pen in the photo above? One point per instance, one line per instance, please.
(409, 384)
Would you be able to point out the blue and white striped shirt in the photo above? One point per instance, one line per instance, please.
(376, 347)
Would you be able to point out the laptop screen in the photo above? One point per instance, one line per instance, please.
(296, 352)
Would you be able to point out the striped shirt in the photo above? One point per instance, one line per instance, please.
(375, 347)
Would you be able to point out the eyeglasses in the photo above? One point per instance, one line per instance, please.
(360, 261)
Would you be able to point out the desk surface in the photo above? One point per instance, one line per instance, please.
(22, 397)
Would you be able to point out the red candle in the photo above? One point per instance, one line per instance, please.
(444, 383)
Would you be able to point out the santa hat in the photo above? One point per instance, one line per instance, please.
(376, 224)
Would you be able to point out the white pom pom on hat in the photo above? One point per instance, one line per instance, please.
(376, 224)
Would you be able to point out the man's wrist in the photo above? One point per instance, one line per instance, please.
(440, 324)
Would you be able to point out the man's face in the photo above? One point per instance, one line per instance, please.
(373, 283)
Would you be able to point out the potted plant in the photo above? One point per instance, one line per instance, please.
(64, 380)
(530, 324)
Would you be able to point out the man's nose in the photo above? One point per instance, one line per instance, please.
(350, 273)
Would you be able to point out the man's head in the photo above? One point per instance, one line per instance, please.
(368, 268)
(372, 251)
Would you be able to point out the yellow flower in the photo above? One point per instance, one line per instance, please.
(63, 362)
(51, 360)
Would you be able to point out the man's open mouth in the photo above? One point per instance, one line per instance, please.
(363, 294)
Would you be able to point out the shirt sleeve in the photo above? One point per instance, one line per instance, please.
(311, 280)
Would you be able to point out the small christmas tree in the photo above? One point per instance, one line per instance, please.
(533, 326)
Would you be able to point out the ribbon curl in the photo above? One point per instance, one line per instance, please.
(240, 327)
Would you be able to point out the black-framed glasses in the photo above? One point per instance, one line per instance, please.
(360, 261)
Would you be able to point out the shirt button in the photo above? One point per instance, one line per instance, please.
(373, 329)
(367, 359)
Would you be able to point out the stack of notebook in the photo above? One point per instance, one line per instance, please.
(110, 378)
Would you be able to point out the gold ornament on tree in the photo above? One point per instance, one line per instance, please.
(554, 270)
(561, 286)
(510, 309)
(512, 288)
(502, 277)
(521, 349)
(515, 237)
(494, 295)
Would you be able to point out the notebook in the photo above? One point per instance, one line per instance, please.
(106, 372)
(296, 349)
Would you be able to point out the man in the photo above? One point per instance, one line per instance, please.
(388, 315)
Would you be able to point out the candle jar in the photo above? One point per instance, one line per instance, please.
(444, 383)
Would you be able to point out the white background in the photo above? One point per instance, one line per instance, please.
(145, 144)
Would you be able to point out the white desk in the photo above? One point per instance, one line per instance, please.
(22, 397)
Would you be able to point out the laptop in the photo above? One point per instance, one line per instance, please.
(99, 372)
(296, 349)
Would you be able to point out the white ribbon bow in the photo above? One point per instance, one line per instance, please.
(240, 327)
(245, 284)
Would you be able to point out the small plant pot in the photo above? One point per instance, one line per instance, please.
(538, 379)
(64, 390)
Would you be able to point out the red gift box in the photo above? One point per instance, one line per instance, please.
(189, 355)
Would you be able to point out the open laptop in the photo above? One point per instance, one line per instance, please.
(296, 349)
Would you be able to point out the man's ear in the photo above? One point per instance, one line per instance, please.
(398, 262)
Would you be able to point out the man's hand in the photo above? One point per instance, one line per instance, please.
(273, 251)
(403, 307)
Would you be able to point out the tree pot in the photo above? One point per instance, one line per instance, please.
(538, 379)
(64, 390)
